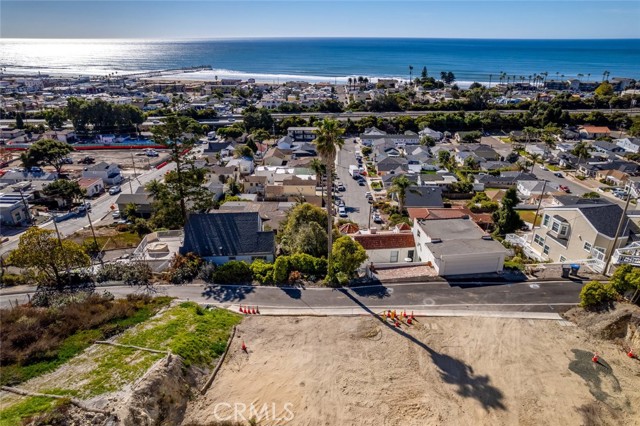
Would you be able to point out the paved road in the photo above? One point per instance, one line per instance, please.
(549, 297)
(100, 207)
(354, 196)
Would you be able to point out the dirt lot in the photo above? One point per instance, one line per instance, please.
(440, 371)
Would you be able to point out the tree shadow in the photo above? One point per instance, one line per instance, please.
(227, 293)
(597, 375)
(294, 292)
(452, 371)
(376, 291)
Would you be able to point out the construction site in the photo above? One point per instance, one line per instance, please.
(434, 371)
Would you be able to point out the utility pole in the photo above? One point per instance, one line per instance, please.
(26, 206)
(66, 261)
(95, 241)
(535, 217)
(618, 231)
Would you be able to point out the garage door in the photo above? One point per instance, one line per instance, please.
(461, 265)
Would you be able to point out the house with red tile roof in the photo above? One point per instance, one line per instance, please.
(593, 132)
(387, 247)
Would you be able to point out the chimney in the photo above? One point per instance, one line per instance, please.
(373, 230)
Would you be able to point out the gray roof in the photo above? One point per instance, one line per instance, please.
(424, 196)
(603, 217)
(227, 234)
(391, 163)
(139, 199)
(458, 237)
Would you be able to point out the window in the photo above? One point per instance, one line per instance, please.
(563, 259)
(538, 240)
(587, 246)
(545, 250)
(545, 222)
(564, 230)
(394, 256)
(410, 254)
(418, 233)
(555, 227)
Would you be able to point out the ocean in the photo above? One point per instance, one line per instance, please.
(328, 59)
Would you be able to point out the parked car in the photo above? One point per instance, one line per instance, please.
(342, 211)
(35, 169)
(67, 160)
(115, 190)
(115, 214)
(542, 167)
(565, 189)
(87, 160)
(362, 182)
(341, 187)
(377, 218)
(84, 207)
(558, 174)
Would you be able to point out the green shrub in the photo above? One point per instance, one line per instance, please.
(9, 280)
(281, 269)
(596, 293)
(307, 264)
(185, 268)
(262, 271)
(234, 271)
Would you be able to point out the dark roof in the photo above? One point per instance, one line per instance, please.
(388, 178)
(213, 147)
(226, 234)
(139, 199)
(391, 163)
(424, 196)
(603, 217)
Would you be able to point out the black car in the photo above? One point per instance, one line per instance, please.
(361, 182)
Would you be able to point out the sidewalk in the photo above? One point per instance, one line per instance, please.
(356, 311)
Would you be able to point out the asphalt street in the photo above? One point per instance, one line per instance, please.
(543, 296)
(354, 198)
(100, 207)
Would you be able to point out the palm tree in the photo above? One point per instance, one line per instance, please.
(327, 142)
(319, 168)
(410, 73)
(400, 186)
(535, 158)
(349, 81)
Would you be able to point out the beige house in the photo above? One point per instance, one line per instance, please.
(578, 232)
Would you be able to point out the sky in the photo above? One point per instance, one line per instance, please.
(172, 19)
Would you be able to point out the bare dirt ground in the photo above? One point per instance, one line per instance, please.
(440, 371)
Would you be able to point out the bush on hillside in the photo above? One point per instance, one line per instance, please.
(281, 269)
(595, 294)
(262, 271)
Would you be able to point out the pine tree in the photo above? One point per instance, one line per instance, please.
(506, 218)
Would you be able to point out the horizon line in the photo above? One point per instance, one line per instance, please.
(248, 38)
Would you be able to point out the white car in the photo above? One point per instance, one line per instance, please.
(342, 212)
(115, 214)
(114, 190)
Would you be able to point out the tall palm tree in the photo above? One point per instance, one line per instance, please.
(410, 73)
(399, 186)
(349, 81)
(327, 142)
(535, 158)
(320, 169)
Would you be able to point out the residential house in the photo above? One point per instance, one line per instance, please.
(536, 149)
(607, 147)
(255, 184)
(594, 132)
(109, 173)
(224, 236)
(483, 220)
(460, 136)
(433, 134)
(424, 196)
(535, 188)
(91, 186)
(275, 157)
(12, 177)
(387, 247)
(387, 180)
(65, 135)
(306, 134)
(390, 165)
(505, 180)
(13, 209)
(292, 186)
(244, 165)
(272, 213)
(590, 169)
(457, 246)
(616, 177)
(441, 178)
(629, 144)
(579, 231)
(141, 199)
(373, 136)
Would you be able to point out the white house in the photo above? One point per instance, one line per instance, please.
(109, 173)
(457, 247)
(92, 186)
(387, 247)
(530, 188)
(433, 134)
(628, 144)
(244, 165)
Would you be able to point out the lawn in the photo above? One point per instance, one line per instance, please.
(528, 215)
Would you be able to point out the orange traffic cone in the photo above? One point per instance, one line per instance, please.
(397, 324)
(253, 311)
(409, 321)
(388, 314)
(257, 310)
(630, 354)
(404, 314)
(241, 309)
(595, 357)
(244, 347)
